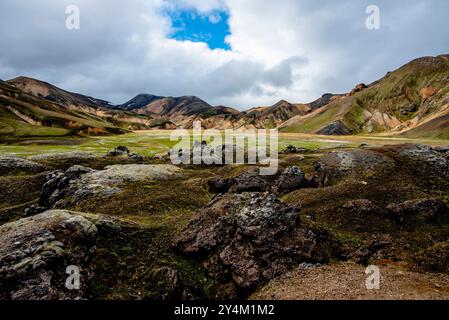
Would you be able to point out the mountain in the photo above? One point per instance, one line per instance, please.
(181, 111)
(50, 92)
(271, 117)
(139, 101)
(33, 108)
(324, 100)
(412, 101)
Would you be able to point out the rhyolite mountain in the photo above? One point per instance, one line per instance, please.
(33, 108)
(412, 101)
(181, 112)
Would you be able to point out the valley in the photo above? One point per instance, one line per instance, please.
(410, 102)
(362, 180)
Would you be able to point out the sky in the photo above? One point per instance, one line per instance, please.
(237, 53)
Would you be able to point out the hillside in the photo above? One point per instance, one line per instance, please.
(272, 117)
(180, 112)
(411, 101)
(31, 108)
(50, 92)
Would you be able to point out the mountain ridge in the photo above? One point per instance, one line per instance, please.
(412, 100)
(397, 104)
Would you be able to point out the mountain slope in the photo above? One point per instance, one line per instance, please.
(32, 108)
(272, 117)
(402, 101)
(24, 115)
(139, 101)
(50, 92)
(181, 111)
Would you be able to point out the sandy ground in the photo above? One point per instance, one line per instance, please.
(346, 281)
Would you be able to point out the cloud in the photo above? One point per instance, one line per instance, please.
(283, 49)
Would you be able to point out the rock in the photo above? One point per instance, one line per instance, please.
(169, 282)
(293, 150)
(13, 165)
(336, 128)
(357, 162)
(57, 185)
(247, 239)
(361, 206)
(290, 179)
(358, 88)
(35, 252)
(250, 181)
(78, 183)
(427, 92)
(435, 161)
(220, 185)
(119, 151)
(202, 153)
(135, 157)
(375, 248)
(408, 108)
(162, 156)
(426, 210)
(73, 155)
(443, 150)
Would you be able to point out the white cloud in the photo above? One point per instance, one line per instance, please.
(281, 49)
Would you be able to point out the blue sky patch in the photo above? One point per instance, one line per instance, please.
(211, 28)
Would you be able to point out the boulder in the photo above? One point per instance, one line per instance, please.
(361, 206)
(78, 183)
(250, 181)
(73, 155)
(425, 210)
(118, 151)
(291, 179)
(14, 165)
(135, 157)
(220, 185)
(293, 150)
(358, 88)
(247, 239)
(435, 161)
(375, 248)
(357, 162)
(36, 251)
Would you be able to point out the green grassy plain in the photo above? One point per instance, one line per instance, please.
(158, 141)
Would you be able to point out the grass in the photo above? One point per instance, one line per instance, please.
(149, 143)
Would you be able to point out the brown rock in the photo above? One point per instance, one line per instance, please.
(427, 210)
(249, 238)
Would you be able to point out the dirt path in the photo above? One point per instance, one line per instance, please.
(346, 281)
